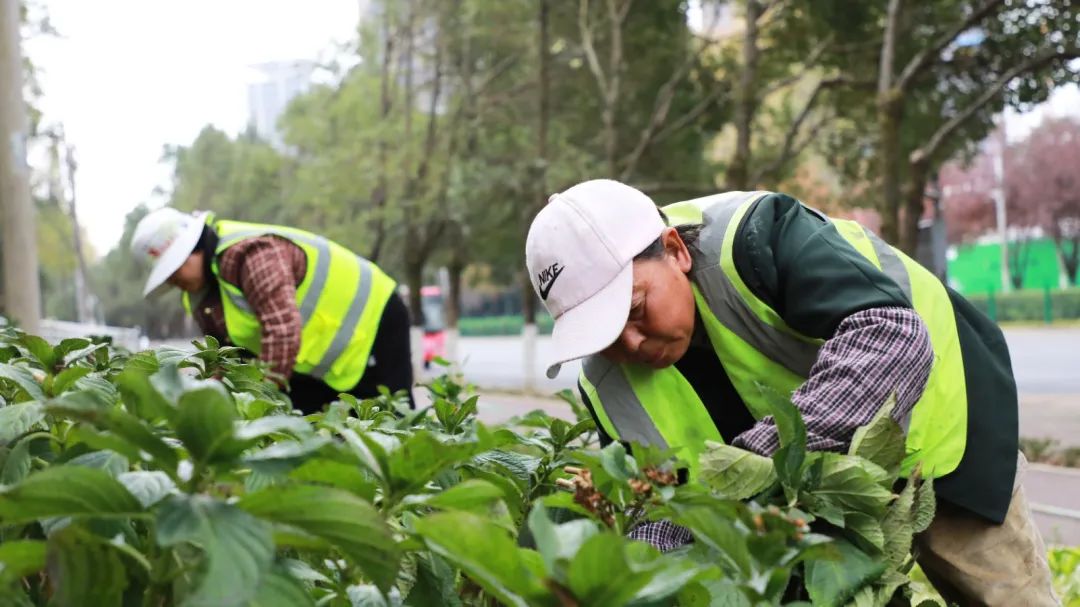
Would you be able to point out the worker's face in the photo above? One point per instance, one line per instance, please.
(661, 321)
(191, 276)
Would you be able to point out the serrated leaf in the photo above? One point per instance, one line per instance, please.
(520, 465)
(735, 473)
(66, 491)
(237, 548)
(832, 581)
(18, 419)
(925, 505)
(617, 463)
(867, 529)
(882, 440)
(898, 527)
(483, 551)
(339, 517)
(847, 483)
(149, 487)
(84, 570)
(420, 458)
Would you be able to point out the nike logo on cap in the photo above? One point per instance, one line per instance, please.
(547, 277)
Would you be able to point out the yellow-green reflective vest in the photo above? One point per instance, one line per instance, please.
(341, 301)
(758, 349)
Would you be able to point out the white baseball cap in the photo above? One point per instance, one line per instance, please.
(580, 252)
(163, 240)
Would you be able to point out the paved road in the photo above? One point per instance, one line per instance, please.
(1046, 362)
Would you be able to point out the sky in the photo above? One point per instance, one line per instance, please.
(127, 77)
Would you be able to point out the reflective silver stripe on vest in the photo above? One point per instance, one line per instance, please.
(891, 264)
(728, 305)
(352, 318)
(238, 300)
(621, 405)
(318, 279)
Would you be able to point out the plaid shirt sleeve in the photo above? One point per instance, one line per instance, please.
(267, 270)
(873, 354)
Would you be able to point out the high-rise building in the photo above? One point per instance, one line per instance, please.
(276, 84)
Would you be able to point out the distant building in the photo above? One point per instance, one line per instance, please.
(275, 85)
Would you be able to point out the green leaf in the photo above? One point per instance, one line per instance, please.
(341, 518)
(67, 377)
(140, 396)
(558, 543)
(617, 463)
(20, 558)
(18, 462)
(473, 495)
(420, 458)
(237, 548)
(881, 441)
(483, 551)
(735, 473)
(435, 583)
(600, 573)
(280, 589)
(925, 505)
(511, 491)
(39, 349)
(18, 419)
(109, 461)
(304, 572)
(120, 423)
(792, 434)
(84, 570)
(273, 424)
(520, 465)
(713, 593)
(24, 378)
(867, 529)
(66, 491)
(846, 482)
(149, 487)
(335, 474)
(898, 526)
(834, 580)
(713, 529)
(204, 422)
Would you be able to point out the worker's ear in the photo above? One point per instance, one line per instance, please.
(675, 250)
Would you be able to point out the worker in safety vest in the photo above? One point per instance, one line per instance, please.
(682, 317)
(323, 317)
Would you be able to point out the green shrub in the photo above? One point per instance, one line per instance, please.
(170, 477)
(1029, 305)
(484, 326)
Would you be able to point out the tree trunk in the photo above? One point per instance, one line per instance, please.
(890, 112)
(914, 194)
(380, 194)
(738, 174)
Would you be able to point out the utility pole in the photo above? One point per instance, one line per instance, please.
(22, 293)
